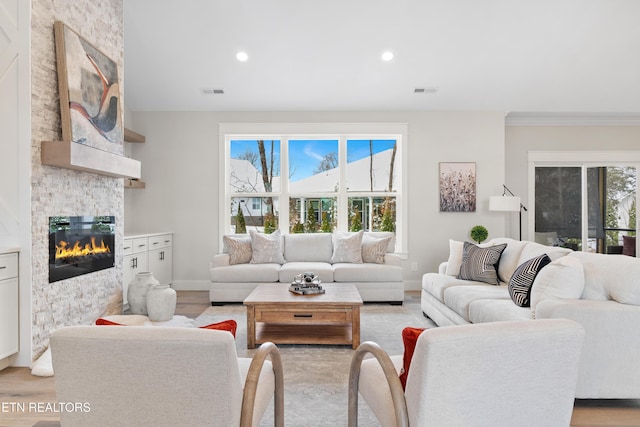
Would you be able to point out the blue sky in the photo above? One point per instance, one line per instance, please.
(305, 155)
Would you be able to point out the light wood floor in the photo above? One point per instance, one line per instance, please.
(18, 387)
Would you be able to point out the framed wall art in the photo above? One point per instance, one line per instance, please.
(457, 187)
(89, 86)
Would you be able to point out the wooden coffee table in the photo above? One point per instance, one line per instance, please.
(282, 317)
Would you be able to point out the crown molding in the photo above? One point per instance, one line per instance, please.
(572, 119)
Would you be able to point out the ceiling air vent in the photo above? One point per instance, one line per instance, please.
(211, 91)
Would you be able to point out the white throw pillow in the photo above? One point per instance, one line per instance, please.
(562, 278)
(347, 247)
(43, 366)
(373, 249)
(266, 248)
(455, 258)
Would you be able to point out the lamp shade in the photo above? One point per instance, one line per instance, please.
(504, 203)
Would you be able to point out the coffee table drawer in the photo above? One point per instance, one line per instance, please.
(290, 316)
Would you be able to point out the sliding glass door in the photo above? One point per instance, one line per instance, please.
(585, 206)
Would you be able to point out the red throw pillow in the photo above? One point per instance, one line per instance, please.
(106, 322)
(409, 338)
(227, 325)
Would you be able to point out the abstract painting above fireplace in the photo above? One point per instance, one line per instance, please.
(80, 245)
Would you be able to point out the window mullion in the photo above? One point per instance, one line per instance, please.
(343, 207)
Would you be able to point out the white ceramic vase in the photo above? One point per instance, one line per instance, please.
(137, 292)
(161, 303)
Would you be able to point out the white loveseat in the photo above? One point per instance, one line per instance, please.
(601, 292)
(314, 252)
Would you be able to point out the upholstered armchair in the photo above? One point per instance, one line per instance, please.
(162, 376)
(491, 374)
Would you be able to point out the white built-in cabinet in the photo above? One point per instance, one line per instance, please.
(147, 252)
(9, 321)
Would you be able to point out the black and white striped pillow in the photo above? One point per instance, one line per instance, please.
(522, 279)
(480, 264)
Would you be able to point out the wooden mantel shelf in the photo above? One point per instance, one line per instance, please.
(131, 136)
(134, 183)
(80, 157)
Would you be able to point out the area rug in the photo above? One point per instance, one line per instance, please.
(316, 376)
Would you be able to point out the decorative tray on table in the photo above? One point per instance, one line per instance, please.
(306, 284)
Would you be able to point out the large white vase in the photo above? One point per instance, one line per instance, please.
(137, 292)
(161, 303)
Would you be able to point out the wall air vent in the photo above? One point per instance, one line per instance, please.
(211, 91)
(425, 90)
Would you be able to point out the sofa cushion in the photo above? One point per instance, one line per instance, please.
(610, 277)
(522, 279)
(533, 249)
(312, 247)
(246, 273)
(479, 264)
(345, 272)
(497, 310)
(290, 270)
(238, 247)
(347, 247)
(435, 284)
(562, 278)
(266, 248)
(458, 298)
(510, 258)
(374, 248)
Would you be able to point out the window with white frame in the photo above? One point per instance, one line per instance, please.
(314, 182)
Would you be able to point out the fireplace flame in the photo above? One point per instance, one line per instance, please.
(65, 250)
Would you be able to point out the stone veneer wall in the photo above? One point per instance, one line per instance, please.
(55, 191)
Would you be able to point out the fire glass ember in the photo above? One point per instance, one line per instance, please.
(80, 245)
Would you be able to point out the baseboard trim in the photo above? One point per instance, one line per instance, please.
(412, 285)
(191, 285)
(203, 285)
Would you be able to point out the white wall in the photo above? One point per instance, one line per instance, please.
(15, 157)
(522, 139)
(180, 168)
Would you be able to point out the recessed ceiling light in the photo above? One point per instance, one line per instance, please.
(387, 56)
(242, 56)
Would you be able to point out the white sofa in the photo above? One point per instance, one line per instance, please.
(381, 282)
(601, 292)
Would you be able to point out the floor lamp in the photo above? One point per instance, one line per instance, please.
(507, 203)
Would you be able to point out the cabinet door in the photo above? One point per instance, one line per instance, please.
(160, 264)
(8, 317)
(132, 265)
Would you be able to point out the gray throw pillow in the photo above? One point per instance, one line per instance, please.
(481, 264)
(347, 247)
(266, 248)
(238, 248)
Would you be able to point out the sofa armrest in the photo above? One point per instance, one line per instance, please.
(392, 259)
(220, 260)
(608, 367)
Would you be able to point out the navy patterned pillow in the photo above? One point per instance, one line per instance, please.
(480, 264)
(522, 279)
